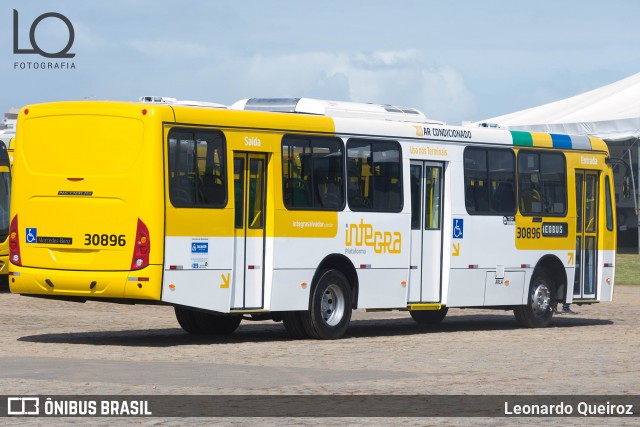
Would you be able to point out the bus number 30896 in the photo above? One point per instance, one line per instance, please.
(528, 232)
(104, 240)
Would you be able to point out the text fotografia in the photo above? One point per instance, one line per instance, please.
(56, 407)
(57, 62)
(581, 408)
(44, 65)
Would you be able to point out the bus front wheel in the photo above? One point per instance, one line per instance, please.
(540, 303)
(330, 307)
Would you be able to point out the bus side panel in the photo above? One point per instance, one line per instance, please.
(290, 289)
(505, 289)
(382, 288)
(466, 288)
(378, 245)
(198, 272)
(608, 274)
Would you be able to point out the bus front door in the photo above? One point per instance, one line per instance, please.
(584, 285)
(250, 178)
(425, 275)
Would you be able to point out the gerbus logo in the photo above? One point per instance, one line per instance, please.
(36, 49)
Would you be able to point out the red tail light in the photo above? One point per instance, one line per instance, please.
(142, 247)
(14, 243)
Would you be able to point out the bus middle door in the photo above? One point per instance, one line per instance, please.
(425, 274)
(250, 178)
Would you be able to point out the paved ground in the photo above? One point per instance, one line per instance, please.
(53, 347)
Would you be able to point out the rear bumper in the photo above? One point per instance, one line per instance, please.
(143, 284)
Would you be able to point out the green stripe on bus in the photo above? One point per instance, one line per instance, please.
(521, 138)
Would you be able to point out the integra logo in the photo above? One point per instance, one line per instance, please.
(363, 234)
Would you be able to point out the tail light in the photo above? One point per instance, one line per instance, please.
(14, 243)
(141, 248)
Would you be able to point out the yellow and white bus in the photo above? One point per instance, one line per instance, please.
(302, 210)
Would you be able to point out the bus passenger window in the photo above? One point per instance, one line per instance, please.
(312, 173)
(542, 183)
(374, 174)
(490, 181)
(197, 176)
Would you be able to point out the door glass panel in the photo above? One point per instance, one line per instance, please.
(586, 239)
(577, 278)
(578, 204)
(432, 200)
(238, 183)
(256, 193)
(608, 205)
(589, 265)
(591, 192)
(416, 175)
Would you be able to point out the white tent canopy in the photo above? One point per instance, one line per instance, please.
(610, 112)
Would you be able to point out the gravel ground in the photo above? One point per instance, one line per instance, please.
(53, 347)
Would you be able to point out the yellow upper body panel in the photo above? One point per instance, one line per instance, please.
(86, 171)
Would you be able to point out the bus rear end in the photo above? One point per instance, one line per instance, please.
(87, 210)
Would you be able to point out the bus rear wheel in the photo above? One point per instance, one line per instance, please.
(201, 323)
(540, 303)
(292, 321)
(330, 307)
(429, 317)
(187, 320)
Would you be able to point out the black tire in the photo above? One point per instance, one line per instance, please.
(217, 324)
(429, 317)
(292, 322)
(330, 307)
(187, 320)
(540, 303)
(201, 323)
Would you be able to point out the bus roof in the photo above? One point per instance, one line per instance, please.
(334, 109)
(362, 119)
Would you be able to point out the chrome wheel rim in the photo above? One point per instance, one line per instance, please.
(332, 305)
(541, 299)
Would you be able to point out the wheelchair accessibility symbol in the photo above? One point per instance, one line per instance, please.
(458, 228)
(32, 235)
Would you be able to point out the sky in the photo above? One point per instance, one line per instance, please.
(454, 60)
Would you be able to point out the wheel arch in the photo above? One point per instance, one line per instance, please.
(555, 268)
(344, 265)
